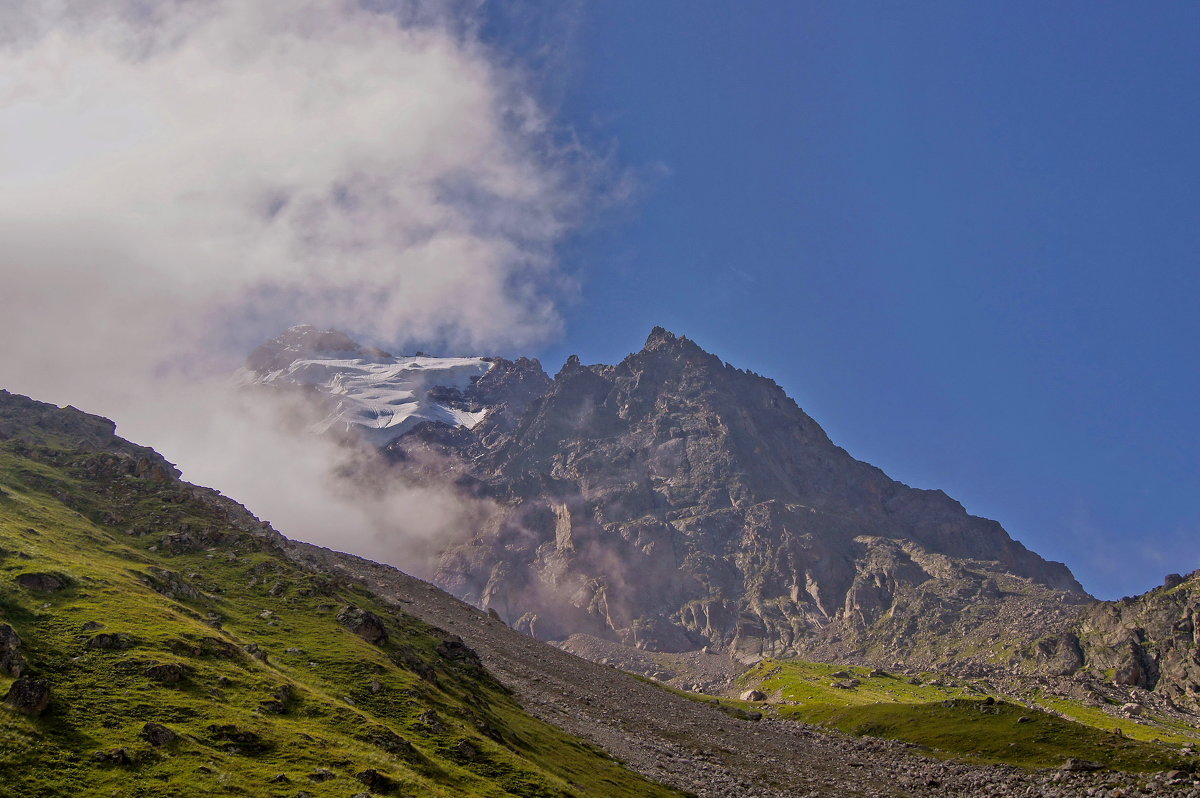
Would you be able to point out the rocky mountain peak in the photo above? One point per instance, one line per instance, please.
(673, 501)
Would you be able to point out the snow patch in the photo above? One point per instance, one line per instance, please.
(380, 396)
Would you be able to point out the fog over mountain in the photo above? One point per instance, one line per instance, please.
(185, 179)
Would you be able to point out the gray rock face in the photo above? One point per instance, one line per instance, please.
(1151, 641)
(673, 501)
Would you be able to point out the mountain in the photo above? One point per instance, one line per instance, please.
(156, 639)
(674, 502)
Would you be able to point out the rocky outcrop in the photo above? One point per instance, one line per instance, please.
(673, 501)
(1150, 641)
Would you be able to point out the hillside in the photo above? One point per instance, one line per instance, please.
(155, 640)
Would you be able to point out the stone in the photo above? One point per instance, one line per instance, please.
(365, 624)
(29, 696)
(1131, 709)
(1080, 765)
(375, 781)
(110, 642)
(43, 582)
(166, 673)
(158, 735)
(754, 695)
(454, 648)
(115, 756)
(12, 657)
(321, 775)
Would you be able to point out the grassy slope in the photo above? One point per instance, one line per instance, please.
(955, 719)
(345, 689)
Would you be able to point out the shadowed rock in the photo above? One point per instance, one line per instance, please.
(12, 658)
(365, 624)
(30, 696)
(158, 735)
(43, 582)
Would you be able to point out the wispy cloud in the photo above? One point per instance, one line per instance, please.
(183, 178)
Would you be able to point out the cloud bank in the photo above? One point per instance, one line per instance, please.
(184, 178)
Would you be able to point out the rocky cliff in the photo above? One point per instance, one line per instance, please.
(673, 501)
(1150, 641)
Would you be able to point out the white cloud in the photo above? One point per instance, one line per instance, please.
(181, 179)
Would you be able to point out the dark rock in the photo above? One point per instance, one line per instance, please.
(365, 624)
(1024, 719)
(43, 582)
(454, 648)
(433, 721)
(116, 756)
(321, 775)
(375, 781)
(387, 740)
(12, 657)
(240, 741)
(158, 735)
(30, 696)
(467, 750)
(256, 651)
(989, 701)
(110, 642)
(91, 626)
(166, 673)
(280, 778)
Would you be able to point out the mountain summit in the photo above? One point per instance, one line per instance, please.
(673, 501)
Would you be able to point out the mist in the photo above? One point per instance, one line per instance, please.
(184, 179)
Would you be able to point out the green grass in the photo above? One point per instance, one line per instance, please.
(954, 720)
(980, 733)
(64, 511)
(812, 683)
(1161, 729)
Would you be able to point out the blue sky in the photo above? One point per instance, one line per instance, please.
(963, 236)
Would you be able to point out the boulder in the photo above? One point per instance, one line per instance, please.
(375, 781)
(1131, 709)
(158, 735)
(454, 648)
(116, 756)
(166, 673)
(754, 695)
(365, 624)
(43, 582)
(30, 696)
(12, 657)
(1080, 765)
(109, 642)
